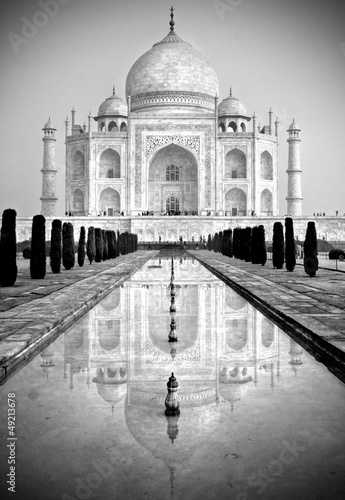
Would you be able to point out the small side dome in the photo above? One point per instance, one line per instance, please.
(231, 106)
(113, 105)
(49, 125)
(294, 126)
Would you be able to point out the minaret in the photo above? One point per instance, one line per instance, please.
(48, 197)
(294, 194)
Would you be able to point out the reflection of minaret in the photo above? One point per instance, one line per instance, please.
(47, 359)
(295, 352)
(172, 429)
(172, 333)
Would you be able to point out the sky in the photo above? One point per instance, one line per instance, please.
(288, 55)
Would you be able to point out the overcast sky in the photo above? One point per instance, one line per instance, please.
(288, 55)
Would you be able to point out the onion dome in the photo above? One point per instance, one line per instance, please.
(294, 126)
(231, 106)
(113, 106)
(172, 73)
(49, 125)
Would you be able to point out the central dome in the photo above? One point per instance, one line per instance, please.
(171, 72)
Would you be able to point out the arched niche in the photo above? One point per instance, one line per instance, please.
(78, 202)
(266, 166)
(112, 127)
(235, 164)
(109, 165)
(101, 126)
(109, 202)
(232, 126)
(236, 333)
(221, 127)
(243, 127)
(108, 331)
(233, 300)
(267, 332)
(123, 127)
(78, 166)
(266, 202)
(236, 202)
(173, 172)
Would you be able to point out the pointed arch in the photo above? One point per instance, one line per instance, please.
(236, 202)
(233, 126)
(221, 127)
(236, 333)
(123, 127)
(266, 166)
(78, 166)
(108, 333)
(78, 202)
(267, 332)
(235, 164)
(109, 164)
(112, 127)
(266, 202)
(243, 127)
(101, 126)
(109, 202)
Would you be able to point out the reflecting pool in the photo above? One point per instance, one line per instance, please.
(259, 417)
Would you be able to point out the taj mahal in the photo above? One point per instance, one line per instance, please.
(174, 148)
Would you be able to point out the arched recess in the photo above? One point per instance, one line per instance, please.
(221, 127)
(109, 202)
(266, 202)
(243, 127)
(101, 126)
(108, 333)
(78, 168)
(172, 204)
(266, 166)
(235, 164)
(236, 202)
(236, 333)
(123, 127)
(78, 202)
(112, 127)
(233, 126)
(109, 165)
(233, 300)
(267, 332)
(173, 172)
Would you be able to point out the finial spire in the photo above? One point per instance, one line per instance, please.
(113, 89)
(172, 22)
(230, 90)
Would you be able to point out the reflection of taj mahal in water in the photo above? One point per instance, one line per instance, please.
(225, 346)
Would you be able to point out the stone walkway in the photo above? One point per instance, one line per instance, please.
(311, 310)
(32, 312)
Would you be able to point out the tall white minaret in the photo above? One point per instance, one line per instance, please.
(294, 195)
(48, 197)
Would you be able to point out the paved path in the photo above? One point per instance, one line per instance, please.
(312, 310)
(34, 311)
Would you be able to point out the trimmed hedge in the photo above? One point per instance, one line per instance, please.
(38, 248)
(8, 248)
(81, 247)
(290, 249)
(278, 245)
(99, 244)
(91, 244)
(311, 262)
(56, 246)
(68, 250)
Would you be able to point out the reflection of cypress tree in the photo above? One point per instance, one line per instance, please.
(278, 245)
(56, 246)
(105, 245)
(68, 255)
(311, 262)
(99, 244)
(262, 245)
(91, 244)
(247, 242)
(290, 254)
(38, 248)
(81, 247)
(8, 250)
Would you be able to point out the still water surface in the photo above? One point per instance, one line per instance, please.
(260, 418)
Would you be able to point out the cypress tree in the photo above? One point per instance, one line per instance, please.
(255, 245)
(220, 241)
(8, 250)
(242, 243)
(247, 243)
(68, 255)
(105, 245)
(209, 242)
(235, 243)
(91, 244)
(117, 243)
(56, 247)
(215, 246)
(278, 245)
(230, 249)
(110, 245)
(99, 244)
(38, 248)
(262, 245)
(81, 247)
(311, 262)
(290, 253)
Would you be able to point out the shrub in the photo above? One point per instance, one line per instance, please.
(209, 242)
(278, 245)
(105, 245)
(323, 246)
(117, 243)
(91, 244)
(38, 248)
(290, 249)
(247, 235)
(311, 263)
(8, 248)
(68, 247)
(99, 244)
(255, 245)
(335, 253)
(56, 247)
(236, 243)
(227, 242)
(81, 247)
(27, 253)
(110, 244)
(262, 245)
(220, 241)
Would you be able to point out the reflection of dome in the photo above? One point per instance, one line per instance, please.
(233, 300)
(231, 106)
(112, 393)
(173, 66)
(112, 301)
(113, 105)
